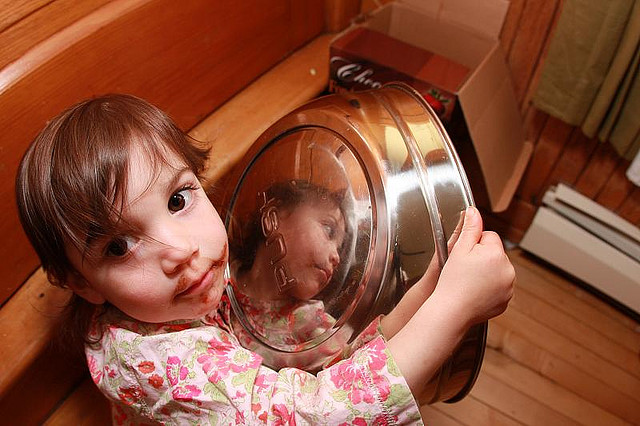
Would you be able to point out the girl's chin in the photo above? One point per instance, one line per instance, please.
(209, 301)
(309, 292)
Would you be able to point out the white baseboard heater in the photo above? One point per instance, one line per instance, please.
(588, 241)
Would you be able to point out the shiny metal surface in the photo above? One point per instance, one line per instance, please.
(402, 191)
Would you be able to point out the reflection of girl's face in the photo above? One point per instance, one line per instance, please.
(313, 233)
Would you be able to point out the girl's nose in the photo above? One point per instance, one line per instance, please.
(174, 258)
(334, 257)
(176, 251)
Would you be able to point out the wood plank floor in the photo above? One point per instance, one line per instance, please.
(559, 355)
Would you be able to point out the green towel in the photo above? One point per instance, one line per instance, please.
(590, 76)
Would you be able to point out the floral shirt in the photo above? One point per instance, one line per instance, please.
(283, 324)
(196, 372)
(288, 326)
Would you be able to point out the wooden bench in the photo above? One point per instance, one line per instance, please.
(224, 70)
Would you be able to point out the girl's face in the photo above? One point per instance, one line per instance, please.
(313, 233)
(172, 267)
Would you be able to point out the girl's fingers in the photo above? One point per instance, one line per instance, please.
(471, 231)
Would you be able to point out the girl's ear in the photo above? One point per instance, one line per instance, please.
(81, 287)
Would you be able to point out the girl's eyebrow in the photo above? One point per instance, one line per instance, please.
(177, 177)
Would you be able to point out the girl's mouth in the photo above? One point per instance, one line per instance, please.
(201, 285)
(206, 281)
(326, 273)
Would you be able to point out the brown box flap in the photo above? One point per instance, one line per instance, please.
(481, 17)
(493, 119)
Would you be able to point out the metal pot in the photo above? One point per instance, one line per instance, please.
(336, 211)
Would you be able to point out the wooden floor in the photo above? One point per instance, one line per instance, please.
(558, 356)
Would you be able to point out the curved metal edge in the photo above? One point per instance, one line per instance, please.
(237, 309)
(421, 170)
(443, 133)
(478, 363)
(448, 144)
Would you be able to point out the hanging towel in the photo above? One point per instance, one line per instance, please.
(590, 76)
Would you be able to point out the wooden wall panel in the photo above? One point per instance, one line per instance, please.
(86, 406)
(594, 177)
(573, 159)
(548, 147)
(339, 13)
(533, 30)
(630, 208)
(511, 23)
(49, 380)
(12, 11)
(38, 23)
(534, 122)
(617, 188)
(512, 222)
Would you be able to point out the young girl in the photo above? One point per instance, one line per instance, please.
(109, 196)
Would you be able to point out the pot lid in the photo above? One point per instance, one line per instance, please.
(300, 238)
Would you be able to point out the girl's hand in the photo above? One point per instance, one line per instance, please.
(477, 279)
(476, 284)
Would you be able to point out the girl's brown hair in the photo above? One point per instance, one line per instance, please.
(75, 171)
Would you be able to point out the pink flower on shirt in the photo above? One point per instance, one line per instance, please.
(222, 359)
(216, 360)
(244, 361)
(110, 372)
(264, 381)
(348, 377)
(283, 416)
(185, 393)
(156, 381)
(146, 367)
(96, 373)
(216, 368)
(258, 412)
(175, 370)
(378, 358)
(129, 395)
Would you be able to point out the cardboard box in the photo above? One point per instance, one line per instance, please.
(449, 51)
(364, 59)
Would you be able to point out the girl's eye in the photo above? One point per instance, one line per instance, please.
(179, 200)
(119, 246)
(329, 230)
